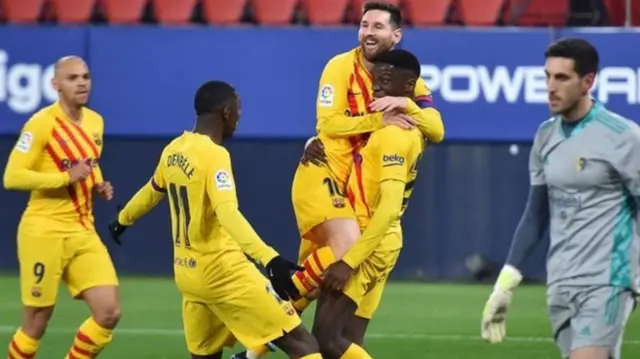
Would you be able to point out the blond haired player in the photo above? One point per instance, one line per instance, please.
(224, 296)
(56, 159)
(346, 111)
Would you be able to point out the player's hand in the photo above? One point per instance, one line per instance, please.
(279, 271)
(105, 190)
(401, 120)
(494, 316)
(336, 276)
(116, 228)
(314, 153)
(389, 103)
(79, 171)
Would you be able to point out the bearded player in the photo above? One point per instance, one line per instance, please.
(56, 159)
(346, 113)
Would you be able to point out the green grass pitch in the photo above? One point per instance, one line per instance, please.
(414, 321)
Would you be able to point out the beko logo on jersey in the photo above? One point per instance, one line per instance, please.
(390, 160)
(468, 83)
(23, 86)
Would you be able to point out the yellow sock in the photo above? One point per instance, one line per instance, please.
(301, 304)
(257, 352)
(89, 341)
(314, 266)
(355, 352)
(312, 356)
(23, 346)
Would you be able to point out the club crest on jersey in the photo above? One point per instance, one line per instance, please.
(327, 96)
(338, 202)
(581, 163)
(223, 181)
(97, 139)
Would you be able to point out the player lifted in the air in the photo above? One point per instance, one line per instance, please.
(585, 186)
(225, 297)
(56, 159)
(379, 189)
(346, 113)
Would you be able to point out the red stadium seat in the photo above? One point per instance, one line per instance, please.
(73, 11)
(537, 12)
(427, 12)
(355, 12)
(325, 12)
(173, 11)
(480, 13)
(22, 11)
(617, 12)
(223, 12)
(123, 11)
(273, 12)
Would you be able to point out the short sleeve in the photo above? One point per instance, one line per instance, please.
(626, 159)
(394, 152)
(220, 184)
(536, 164)
(422, 94)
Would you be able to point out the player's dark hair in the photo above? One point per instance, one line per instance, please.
(212, 96)
(395, 15)
(400, 59)
(584, 55)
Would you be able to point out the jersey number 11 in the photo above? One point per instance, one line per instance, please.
(179, 202)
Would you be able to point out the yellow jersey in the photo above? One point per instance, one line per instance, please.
(343, 115)
(49, 144)
(390, 153)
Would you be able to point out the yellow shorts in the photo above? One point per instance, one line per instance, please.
(318, 196)
(223, 302)
(80, 259)
(367, 284)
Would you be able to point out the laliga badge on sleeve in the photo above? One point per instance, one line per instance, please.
(326, 96)
(25, 142)
(223, 181)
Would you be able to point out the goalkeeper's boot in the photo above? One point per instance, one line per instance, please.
(243, 355)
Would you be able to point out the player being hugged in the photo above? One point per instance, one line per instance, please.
(56, 159)
(584, 171)
(224, 296)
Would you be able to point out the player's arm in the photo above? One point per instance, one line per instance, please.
(533, 223)
(332, 103)
(221, 191)
(19, 173)
(421, 109)
(625, 161)
(394, 162)
(145, 199)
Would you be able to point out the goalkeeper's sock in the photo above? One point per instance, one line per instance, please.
(90, 340)
(314, 266)
(257, 352)
(301, 304)
(23, 346)
(356, 352)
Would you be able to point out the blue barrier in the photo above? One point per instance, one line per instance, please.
(488, 83)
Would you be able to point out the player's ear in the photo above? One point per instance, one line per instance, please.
(55, 84)
(588, 81)
(397, 36)
(226, 112)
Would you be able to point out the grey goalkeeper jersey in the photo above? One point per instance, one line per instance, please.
(593, 177)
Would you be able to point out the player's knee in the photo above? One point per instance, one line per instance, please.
(298, 343)
(108, 316)
(35, 321)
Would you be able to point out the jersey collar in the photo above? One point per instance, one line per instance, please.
(596, 108)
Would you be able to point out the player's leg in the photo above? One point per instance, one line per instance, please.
(41, 263)
(598, 325)
(256, 315)
(205, 334)
(91, 276)
(559, 310)
(356, 330)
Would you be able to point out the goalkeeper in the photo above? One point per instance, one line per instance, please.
(585, 184)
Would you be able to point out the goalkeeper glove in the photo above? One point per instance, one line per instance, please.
(116, 228)
(494, 315)
(279, 273)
